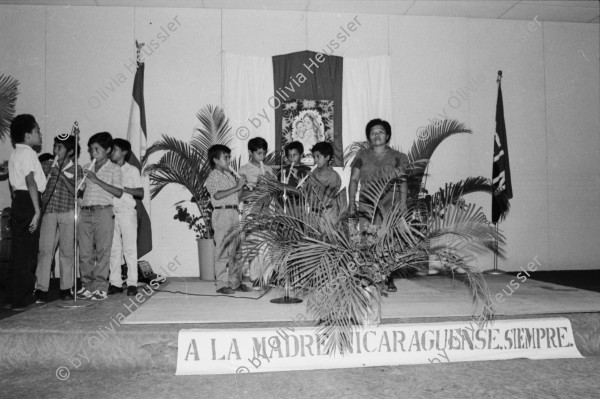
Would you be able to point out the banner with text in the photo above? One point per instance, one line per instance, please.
(300, 348)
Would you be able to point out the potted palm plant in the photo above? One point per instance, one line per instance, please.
(342, 269)
(186, 164)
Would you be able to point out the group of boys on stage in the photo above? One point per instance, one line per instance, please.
(43, 212)
(225, 188)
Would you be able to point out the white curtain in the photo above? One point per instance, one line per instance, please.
(367, 94)
(247, 86)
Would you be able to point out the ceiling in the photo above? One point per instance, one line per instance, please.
(558, 11)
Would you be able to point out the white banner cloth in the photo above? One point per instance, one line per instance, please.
(260, 350)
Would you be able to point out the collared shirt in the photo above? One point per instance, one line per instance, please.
(252, 172)
(220, 181)
(58, 197)
(96, 195)
(131, 179)
(22, 162)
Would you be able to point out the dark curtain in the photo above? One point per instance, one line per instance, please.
(301, 76)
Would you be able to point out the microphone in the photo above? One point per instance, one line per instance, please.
(84, 176)
(262, 167)
(55, 163)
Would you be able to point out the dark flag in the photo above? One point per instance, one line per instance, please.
(136, 135)
(501, 168)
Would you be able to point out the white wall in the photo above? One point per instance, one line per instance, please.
(23, 52)
(72, 64)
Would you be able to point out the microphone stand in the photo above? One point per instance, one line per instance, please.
(74, 303)
(286, 298)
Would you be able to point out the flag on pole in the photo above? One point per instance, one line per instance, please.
(136, 135)
(501, 168)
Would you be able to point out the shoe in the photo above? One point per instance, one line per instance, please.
(132, 290)
(243, 288)
(226, 291)
(83, 293)
(40, 296)
(113, 289)
(391, 287)
(99, 295)
(66, 295)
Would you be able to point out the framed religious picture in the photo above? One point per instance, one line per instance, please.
(309, 122)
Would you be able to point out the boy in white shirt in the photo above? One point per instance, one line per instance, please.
(257, 149)
(125, 232)
(28, 181)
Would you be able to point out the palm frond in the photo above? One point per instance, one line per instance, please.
(187, 164)
(183, 165)
(214, 129)
(424, 147)
(8, 99)
(381, 187)
(273, 159)
(351, 151)
(456, 233)
(453, 192)
(286, 233)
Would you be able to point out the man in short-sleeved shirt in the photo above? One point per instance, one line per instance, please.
(28, 181)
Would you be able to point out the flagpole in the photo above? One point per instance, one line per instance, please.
(495, 271)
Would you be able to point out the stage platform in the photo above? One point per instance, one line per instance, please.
(100, 336)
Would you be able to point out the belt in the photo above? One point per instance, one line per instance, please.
(94, 207)
(226, 207)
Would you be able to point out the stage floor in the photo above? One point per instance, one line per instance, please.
(195, 301)
(97, 337)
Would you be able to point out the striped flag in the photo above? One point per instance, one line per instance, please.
(501, 168)
(136, 135)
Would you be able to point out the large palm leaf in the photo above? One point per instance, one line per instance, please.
(353, 149)
(314, 255)
(187, 164)
(423, 148)
(455, 234)
(337, 265)
(8, 99)
(213, 129)
(453, 192)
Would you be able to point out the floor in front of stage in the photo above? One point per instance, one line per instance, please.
(49, 334)
(107, 358)
(193, 301)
